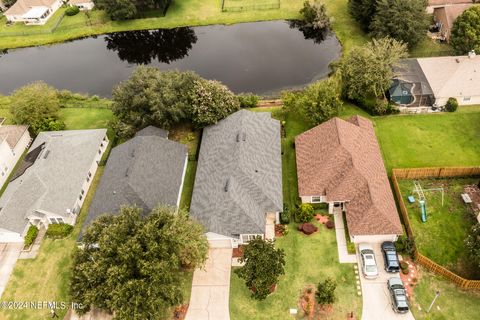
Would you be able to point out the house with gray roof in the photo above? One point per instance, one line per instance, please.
(144, 171)
(238, 185)
(52, 181)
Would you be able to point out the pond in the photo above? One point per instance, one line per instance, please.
(261, 57)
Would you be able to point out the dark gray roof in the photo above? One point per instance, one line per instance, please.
(152, 131)
(239, 174)
(145, 171)
(409, 70)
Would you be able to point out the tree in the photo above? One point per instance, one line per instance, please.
(452, 105)
(134, 266)
(402, 20)
(263, 266)
(325, 293)
(34, 105)
(466, 31)
(472, 243)
(367, 71)
(315, 15)
(211, 101)
(362, 11)
(152, 97)
(304, 213)
(129, 9)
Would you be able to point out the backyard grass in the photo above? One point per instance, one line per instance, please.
(441, 237)
(309, 259)
(85, 118)
(453, 303)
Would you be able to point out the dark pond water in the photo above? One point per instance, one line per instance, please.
(262, 57)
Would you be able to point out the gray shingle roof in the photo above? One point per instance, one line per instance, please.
(52, 183)
(152, 131)
(145, 171)
(239, 174)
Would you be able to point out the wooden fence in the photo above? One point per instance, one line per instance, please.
(418, 173)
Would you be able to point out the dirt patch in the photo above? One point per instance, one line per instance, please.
(410, 280)
(307, 228)
(180, 312)
(309, 307)
(237, 252)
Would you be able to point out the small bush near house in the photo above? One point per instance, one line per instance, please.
(58, 231)
(404, 267)
(405, 245)
(31, 236)
(72, 10)
(285, 215)
(452, 105)
(330, 224)
(248, 100)
(326, 292)
(304, 213)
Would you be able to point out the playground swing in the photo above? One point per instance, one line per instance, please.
(417, 188)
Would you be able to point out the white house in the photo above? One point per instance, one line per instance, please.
(32, 12)
(82, 4)
(51, 183)
(14, 139)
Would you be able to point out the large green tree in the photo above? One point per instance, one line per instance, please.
(263, 266)
(134, 266)
(466, 31)
(36, 105)
(362, 11)
(402, 20)
(129, 9)
(211, 101)
(367, 71)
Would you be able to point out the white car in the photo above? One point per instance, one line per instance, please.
(369, 265)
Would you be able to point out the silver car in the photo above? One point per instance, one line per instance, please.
(369, 264)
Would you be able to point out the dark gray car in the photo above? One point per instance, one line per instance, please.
(390, 257)
(398, 295)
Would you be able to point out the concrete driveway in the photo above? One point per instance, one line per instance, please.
(9, 253)
(211, 287)
(376, 298)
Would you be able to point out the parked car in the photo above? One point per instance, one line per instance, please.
(390, 257)
(369, 265)
(398, 295)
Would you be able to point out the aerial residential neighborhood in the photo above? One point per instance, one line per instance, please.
(240, 159)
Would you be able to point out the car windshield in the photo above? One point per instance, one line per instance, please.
(400, 295)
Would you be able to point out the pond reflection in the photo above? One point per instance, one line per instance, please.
(141, 47)
(309, 33)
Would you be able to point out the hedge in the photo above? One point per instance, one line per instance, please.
(58, 231)
(31, 236)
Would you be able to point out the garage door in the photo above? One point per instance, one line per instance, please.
(220, 243)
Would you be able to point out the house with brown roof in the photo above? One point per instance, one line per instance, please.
(339, 163)
(14, 139)
(446, 15)
(432, 4)
(32, 12)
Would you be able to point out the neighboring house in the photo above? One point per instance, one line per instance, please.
(339, 163)
(446, 16)
(441, 78)
(34, 12)
(51, 182)
(82, 4)
(238, 186)
(432, 4)
(14, 139)
(144, 171)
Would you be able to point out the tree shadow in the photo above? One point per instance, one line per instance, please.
(141, 47)
(310, 33)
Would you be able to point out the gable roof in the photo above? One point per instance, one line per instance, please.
(341, 160)
(23, 6)
(239, 174)
(53, 181)
(452, 76)
(447, 16)
(12, 133)
(145, 171)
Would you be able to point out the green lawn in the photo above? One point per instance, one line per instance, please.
(453, 302)
(309, 259)
(188, 183)
(85, 118)
(441, 237)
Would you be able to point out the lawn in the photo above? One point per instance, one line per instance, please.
(453, 303)
(309, 259)
(441, 237)
(85, 118)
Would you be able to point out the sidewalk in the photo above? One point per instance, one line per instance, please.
(343, 255)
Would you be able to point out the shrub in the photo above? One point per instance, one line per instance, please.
(404, 267)
(405, 245)
(308, 228)
(330, 224)
(472, 244)
(72, 10)
(58, 231)
(326, 292)
(304, 213)
(452, 105)
(248, 100)
(285, 215)
(31, 235)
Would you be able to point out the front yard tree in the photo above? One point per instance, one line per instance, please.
(211, 101)
(134, 266)
(466, 31)
(35, 104)
(472, 243)
(403, 20)
(325, 293)
(118, 9)
(263, 266)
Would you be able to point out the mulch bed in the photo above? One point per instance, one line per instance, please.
(237, 252)
(309, 306)
(321, 218)
(307, 228)
(180, 312)
(279, 230)
(410, 280)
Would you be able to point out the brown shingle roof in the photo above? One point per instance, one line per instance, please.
(447, 2)
(341, 160)
(447, 16)
(12, 133)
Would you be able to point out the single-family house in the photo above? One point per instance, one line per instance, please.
(432, 4)
(237, 193)
(446, 15)
(339, 163)
(14, 139)
(144, 171)
(50, 184)
(82, 4)
(32, 12)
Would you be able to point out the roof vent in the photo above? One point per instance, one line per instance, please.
(46, 154)
(114, 192)
(126, 172)
(244, 136)
(132, 154)
(238, 137)
(227, 184)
